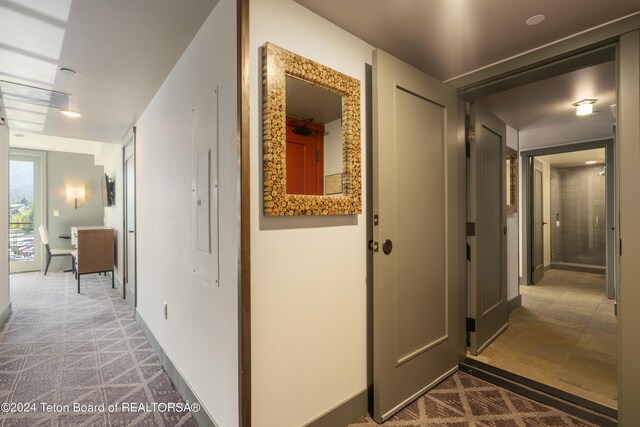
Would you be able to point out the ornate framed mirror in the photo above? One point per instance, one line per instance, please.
(311, 137)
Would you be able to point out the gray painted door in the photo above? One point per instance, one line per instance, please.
(416, 268)
(537, 225)
(487, 290)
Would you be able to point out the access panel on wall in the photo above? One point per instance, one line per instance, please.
(204, 216)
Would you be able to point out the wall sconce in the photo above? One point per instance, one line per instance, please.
(75, 193)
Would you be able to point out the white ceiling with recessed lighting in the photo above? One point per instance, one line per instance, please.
(544, 113)
(576, 158)
(121, 51)
(449, 38)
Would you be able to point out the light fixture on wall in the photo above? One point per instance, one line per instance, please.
(584, 107)
(75, 193)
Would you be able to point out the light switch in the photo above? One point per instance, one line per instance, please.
(56, 213)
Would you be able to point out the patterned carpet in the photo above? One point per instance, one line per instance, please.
(464, 401)
(62, 348)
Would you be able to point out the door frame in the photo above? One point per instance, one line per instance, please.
(618, 40)
(528, 215)
(129, 152)
(527, 206)
(39, 199)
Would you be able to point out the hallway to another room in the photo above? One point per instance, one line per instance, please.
(59, 347)
(563, 335)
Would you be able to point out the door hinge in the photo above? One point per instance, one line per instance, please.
(471, 324)
(471, 229)
(467, 146)
(468, 252)
(375, 220)
(471, 136)
(620, 245)
(471, 327)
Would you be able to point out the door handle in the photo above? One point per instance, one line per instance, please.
(544, 223)
(387, 247)
(131, 231)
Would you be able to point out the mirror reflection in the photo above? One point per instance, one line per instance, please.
(314, 139)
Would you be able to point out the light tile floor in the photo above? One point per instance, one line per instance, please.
(564, 335)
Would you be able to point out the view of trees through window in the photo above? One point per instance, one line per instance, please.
(21, 229)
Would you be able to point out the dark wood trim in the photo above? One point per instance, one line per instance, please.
(244, 278)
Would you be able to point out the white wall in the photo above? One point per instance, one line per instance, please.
(71, 170)
(512, 233)
(111, 158)
(333, 162)
(308, 274)
(4, 218)
(200, 335)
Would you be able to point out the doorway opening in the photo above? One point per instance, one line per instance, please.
(562, 326)
(26, 205)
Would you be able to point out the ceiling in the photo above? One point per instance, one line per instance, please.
(575, 158)
(450, 38)
(543, 111)
(121, 50)
(326, 106)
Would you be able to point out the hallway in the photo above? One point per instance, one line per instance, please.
(563, 335)
(63, 348)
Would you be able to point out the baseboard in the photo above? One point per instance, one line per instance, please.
(514, 303)
(547, 267)
(344, 413)
(579, 268)
(202, 417)
(5, 314)
(130, 296)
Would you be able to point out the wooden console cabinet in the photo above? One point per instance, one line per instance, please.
(95, 251)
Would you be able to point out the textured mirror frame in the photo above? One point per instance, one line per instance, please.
(512, 179)
(277, 64)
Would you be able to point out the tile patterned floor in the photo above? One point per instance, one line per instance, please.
(564, 335)
(60, 347)
(465, 401)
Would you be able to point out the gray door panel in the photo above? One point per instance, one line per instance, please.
(537, 224)
(415, 285)
(487, 272)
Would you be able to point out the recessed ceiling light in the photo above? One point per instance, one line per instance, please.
(534, 20)
(584, 107)
(18, 135)
(590, 162)
(67, 71)
(71, 113)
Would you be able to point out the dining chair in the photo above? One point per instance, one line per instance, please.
(44, 236)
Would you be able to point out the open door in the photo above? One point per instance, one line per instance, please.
(129, 290)
(417, 242)
(487, 264)
(537, 224)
